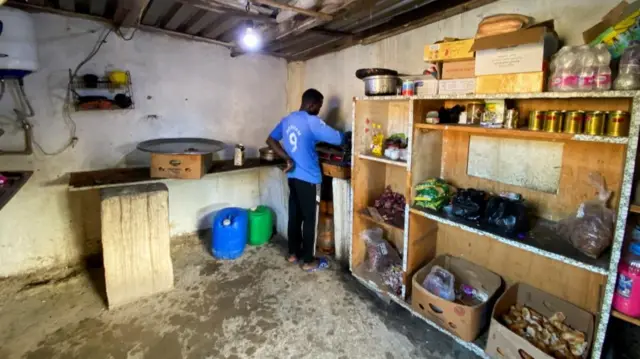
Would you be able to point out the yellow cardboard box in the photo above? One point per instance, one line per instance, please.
(449, 50)
(511, 83)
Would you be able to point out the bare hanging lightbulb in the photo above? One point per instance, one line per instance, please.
(251, 39)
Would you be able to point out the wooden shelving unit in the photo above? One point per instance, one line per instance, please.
(626, 318)
(541, 258)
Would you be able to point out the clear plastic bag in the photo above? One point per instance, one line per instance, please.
(590, 230)
(380, 254)
(440, 282)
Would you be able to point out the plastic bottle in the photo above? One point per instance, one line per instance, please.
(567, 67)
(588, 65)
(629, 74)
(626, 298)
(554, 74)
(603, 73)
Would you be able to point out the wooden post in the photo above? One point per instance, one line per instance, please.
(135, 242)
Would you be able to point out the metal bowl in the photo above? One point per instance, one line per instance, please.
(380, 85)
(267, 154)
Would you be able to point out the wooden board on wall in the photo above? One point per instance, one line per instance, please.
(135, 242)
(578, 160)
(576, 285)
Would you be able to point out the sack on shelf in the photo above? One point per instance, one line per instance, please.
(590, 230)
(507, 214)
(469, 204)
(433, 193)
(380, 254)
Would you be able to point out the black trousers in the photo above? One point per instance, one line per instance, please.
(302, 219)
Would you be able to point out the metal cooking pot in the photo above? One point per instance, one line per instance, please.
(267, 154)
(380, 85)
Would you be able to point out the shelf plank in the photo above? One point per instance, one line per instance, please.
(531, 95)
(626, 318)
(369, 218)
(383, 160)
(522, 133)
(634, 208)
(541, 240)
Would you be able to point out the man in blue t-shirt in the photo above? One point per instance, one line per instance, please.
(299, 133)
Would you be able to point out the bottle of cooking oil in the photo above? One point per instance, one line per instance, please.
(377, 140)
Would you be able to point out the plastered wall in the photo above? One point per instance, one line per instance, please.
(334, 74)
(181, 88)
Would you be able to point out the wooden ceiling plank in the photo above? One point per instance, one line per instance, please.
(156, 10)
(129, 12)
(67, 5)
(221, 27)
(182, 15)
(201, 23)
(316, 14)
(422, 16)
(97, 7)
(232, 8)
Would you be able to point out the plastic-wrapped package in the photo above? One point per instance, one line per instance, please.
(433, 193)
(380, 254)
(590, 230)
(469, 204)
(507, 215)
(629, 72)
(392, 277)
(440, 282)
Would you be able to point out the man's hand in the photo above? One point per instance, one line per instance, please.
(289, 166)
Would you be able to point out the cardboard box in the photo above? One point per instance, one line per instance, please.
(464, 321)
(457, 86)
(503, 343)
(511, 83)
(458, 69)
(184, 166)
(515, 52)
(618, 28)
(449, 50)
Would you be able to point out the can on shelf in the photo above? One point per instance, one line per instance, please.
(552, 121)
(536, 120)
(474, 112)
(618, 123)
(408, 88)
(573, 122)
(512, 119)
(594, 123)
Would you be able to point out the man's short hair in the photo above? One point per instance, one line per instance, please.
(312, 96)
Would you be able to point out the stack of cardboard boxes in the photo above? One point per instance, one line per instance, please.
(506, 63)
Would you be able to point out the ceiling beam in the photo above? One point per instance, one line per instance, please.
(282, 6)
(407, 21)
(129, 12)
(230, 8)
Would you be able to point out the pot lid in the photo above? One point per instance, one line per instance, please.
(198, 146)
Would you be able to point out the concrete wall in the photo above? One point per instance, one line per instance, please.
(333, 74)
(190, 88)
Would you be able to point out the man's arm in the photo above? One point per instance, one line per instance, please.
(273, 141)
(324, 133)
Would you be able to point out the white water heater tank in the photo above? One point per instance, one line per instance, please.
(18, 53)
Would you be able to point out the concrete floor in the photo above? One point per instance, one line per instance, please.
(256, 307)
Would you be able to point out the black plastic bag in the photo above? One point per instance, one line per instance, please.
(510, 216)
(469, 204)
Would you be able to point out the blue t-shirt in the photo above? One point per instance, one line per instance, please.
(299, 133)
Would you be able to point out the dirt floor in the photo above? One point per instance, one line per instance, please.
(256, 307)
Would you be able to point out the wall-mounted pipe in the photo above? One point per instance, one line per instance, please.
(22, 119)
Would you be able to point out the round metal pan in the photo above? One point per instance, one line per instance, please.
(362, 73)
(196, 146)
